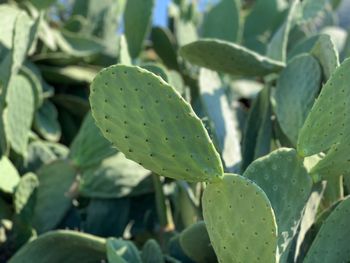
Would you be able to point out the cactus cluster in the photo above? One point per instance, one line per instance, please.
(222, 137)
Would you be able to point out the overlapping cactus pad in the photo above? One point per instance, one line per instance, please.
(151, 123)
(229, 58)
(332, 241)
(240, 221)
(329, 119)
(282, 176)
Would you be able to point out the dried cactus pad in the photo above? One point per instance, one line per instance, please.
(229, 58)
(147, 120)
(329, 118)
(240, 221)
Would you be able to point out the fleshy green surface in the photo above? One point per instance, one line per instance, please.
(137, 22)
(250, 234)
(119, 250)
(336, 162)
(115, 177)
(328, 120)
(25, 195)
(151, 124)
(62, 246)
(195, 242)
(9, 177)
(89, 147)
(332, 241)
(322, 48)
(18, 115)
(297, 88)
(53, 199)
(229, 58)
(152, 253)
(46, 122)
(277, 47)
(283, 177)
(223, 21)
(164, 45)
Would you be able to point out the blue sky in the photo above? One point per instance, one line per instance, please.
(160, 13)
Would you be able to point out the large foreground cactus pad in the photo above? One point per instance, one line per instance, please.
(150, 123)
(240, 221)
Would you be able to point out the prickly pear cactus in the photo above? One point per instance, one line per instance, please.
(18, 114)
(229, 58)
(62, 246)
(297, 88)
(328, 120)
(283, 177)
(240, 221)
(195, 242)
(152, 124)
(332, 241)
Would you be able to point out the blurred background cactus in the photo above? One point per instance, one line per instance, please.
(221, 135)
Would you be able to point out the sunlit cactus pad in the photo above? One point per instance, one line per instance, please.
(229, 58)
(152, 124)
(250, 234)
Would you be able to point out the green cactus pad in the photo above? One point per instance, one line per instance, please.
(332, 241)
(25, 194)
(152, 253)
(164, 45)
(115, 177)
(336, 162)
(62, 246)
(9, 177)
(240, 221)
(223, 21)
(53, 194)
(122, 249)
(137, 22)
(297, 88)
(322, 48)
(229, 58)
(46, 122)
(151, 124)
(277, 48)
(89, 147)
(195, 242)
(18, 115)
(284, 179)
(264, 16)
(328, 120)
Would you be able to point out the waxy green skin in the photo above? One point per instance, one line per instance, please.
(240, 221)
(152, 124)
(284, 179)
(229, 58)
(329, 118)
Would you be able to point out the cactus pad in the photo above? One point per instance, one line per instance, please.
(19, 112)
(297, 87)
(62, 246)
(332, 241)
(240, 221)
(328, 120)
(9, 177)
(285, 181)
(151, 124)
(229, 58)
